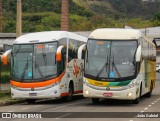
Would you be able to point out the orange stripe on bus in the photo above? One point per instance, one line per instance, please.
(36, 84)
(67, 93)
(79, 91)
(64, 94)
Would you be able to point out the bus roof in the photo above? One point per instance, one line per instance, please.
(115, 34)
(47, 36)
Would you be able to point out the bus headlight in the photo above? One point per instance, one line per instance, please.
(129, 94)
(85, 82)
(86, 92)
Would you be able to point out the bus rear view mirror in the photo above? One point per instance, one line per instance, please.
(139, 53)
(5, 57)
(59, 54)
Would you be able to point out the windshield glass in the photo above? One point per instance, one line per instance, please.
(21, 62)
(97, 58)
(122, 59)
(44, 59)
(110, 59)
(36, 61)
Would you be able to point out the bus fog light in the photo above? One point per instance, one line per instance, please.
(129, 94)
(87, 92)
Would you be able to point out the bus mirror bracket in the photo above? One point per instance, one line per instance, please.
(138, 53)
(80, 49)
(5, 56)
(59, 53)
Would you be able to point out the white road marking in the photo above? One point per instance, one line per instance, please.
(37, 106)
(11, 111)
(62, 106)
(63, 115)
(152, 103)
(25, 108)
(155, 101)
(149, 105)
(142, 111)
(145, 108)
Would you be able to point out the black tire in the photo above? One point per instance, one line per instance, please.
(70, 96)
(31, 101)
(137, 100)
(149, 94)
(95, 100)
(159, 71)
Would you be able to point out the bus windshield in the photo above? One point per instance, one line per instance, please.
(33, 61)
(110, 59)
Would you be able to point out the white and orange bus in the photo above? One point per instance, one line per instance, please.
(46, 65)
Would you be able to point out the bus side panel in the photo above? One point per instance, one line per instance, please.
(151, 73)
(74, 72)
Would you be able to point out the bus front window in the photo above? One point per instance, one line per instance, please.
(97, 58)
(34, 62)
(44, 60)
(122, 59)
(21, 61)
(108, 59)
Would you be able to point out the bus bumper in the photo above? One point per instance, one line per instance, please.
(53, 92)
(128, 94)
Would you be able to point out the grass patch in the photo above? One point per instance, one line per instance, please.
(5, 95)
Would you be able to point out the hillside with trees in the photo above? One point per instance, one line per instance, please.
(85, 15)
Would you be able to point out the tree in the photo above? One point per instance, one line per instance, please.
(0, 16)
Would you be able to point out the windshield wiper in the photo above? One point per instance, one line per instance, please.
(105, 65)
(24, 70)
(113, 64)
(39, 70)
(17, 51)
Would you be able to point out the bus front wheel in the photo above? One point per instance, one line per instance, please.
(137, 100)
(95, 100)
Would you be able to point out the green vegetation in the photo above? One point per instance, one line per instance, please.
(85, 15)
(4, 73)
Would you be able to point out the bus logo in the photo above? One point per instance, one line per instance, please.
(32, 89)
(107, 88)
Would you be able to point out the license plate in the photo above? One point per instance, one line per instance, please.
(107, 94)
(32, 94)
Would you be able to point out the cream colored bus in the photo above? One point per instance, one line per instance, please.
(119, 64)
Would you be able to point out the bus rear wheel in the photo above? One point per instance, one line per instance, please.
(70, 91)
(95, 100)
(149, 94)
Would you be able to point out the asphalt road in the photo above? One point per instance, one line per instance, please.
(94, 112)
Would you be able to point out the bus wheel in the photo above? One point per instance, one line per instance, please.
(149, 94)
(95, 100)
(70, 96)
(137, 100)
(31, 101)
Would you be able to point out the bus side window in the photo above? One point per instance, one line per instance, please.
(62, 63)
(72, 54)
(83, 54)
